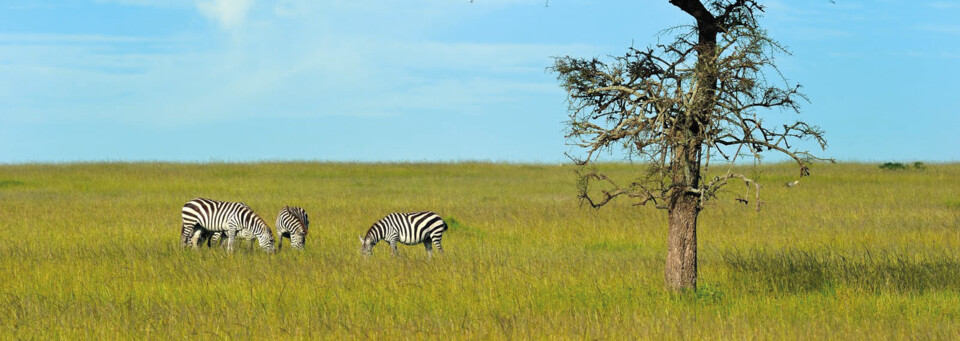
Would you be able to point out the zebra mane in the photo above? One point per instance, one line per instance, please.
(260, 219)
(304, 225)
(372, 234)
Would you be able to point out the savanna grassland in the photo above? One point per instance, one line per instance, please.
(91, 251)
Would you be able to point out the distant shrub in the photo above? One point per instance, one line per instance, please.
(901, 166)
(893, 166)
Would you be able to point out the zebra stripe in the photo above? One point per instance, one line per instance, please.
(216, 238)
(222, 216)
(203, 236)
(407, 228)
(293, 223)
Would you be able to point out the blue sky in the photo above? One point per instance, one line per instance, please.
(424, 80)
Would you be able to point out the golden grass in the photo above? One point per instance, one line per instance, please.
(854, 252)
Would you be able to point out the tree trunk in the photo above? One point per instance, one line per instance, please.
(684, 205)
(681, 268)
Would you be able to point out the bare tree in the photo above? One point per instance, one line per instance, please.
(676, 106)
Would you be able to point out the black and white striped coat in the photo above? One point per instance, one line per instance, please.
(407, 228)
(206, 215)
(293, 223)
(203, 236)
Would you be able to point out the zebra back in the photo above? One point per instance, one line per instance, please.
(293, 220)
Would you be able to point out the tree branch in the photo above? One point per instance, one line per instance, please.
(650, 103)
(695, 9)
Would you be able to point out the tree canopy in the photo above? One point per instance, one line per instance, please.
(684, 94)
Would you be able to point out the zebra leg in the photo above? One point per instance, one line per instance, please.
(216, 239)
(436, 243)
(393, 245)
(204, 237)
(197, 239)
(222, 238)
(231, 238)
(186, 235)
(427, 245)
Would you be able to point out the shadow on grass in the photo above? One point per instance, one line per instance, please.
(796, 271)
(10, 183)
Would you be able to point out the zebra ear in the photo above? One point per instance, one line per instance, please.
(361, 239)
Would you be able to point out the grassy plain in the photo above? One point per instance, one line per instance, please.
(90, 251)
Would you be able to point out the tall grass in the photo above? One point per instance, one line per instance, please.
(90, 251)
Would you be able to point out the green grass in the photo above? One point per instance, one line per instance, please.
(854, 252)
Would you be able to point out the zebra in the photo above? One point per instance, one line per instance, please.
(222, 216)
(292, 222)
(408, 228)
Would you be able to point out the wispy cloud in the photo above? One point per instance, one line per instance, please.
(230, 14)
(293, 59)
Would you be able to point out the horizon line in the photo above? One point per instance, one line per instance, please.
(425, 162)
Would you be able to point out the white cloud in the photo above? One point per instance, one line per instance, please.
(230, 14)
(294, 59)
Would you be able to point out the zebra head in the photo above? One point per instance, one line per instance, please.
(297, 240)
(366, 245)
(269, 247)
(265, 237)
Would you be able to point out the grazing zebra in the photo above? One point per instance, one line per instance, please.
(292, 222)
(407, 228)
(223, 216)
